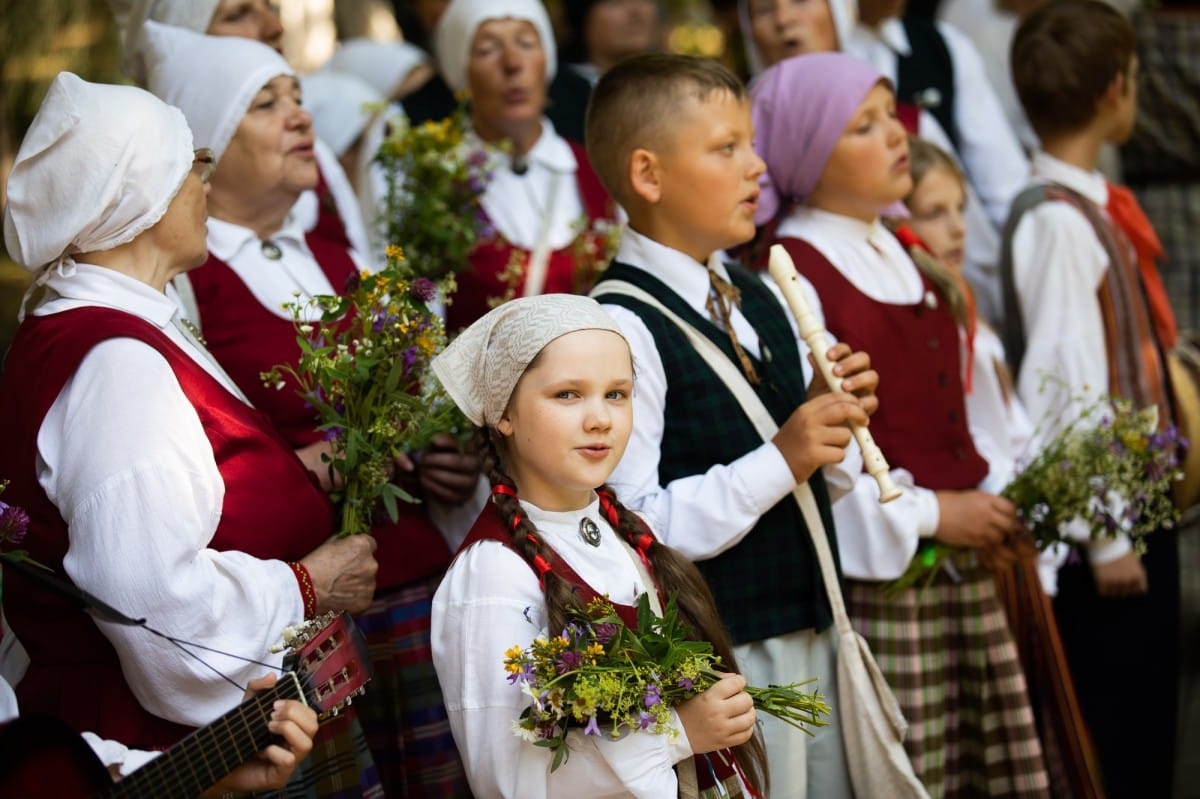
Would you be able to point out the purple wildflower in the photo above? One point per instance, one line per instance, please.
(686, 684)
(524, 675)
(653, 695)
(14, 523)
(568, 661)
(592, 727)
(409, 357)
(644, 720)
(423, 289)
(605, 631)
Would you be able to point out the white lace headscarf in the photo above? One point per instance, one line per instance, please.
(98, 166)
(212, 79)
(481, 367)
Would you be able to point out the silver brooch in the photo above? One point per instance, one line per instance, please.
(270, 250)
(589, 532)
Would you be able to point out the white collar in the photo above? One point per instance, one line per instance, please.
(804, 218)
(226, 240)
(550, 151)
(98, 285)
(890, 32)
(1091, 185)
(687, 277)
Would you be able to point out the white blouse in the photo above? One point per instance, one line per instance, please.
(123, 456)
(490, 601)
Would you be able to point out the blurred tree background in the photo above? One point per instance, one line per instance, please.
(40, 38)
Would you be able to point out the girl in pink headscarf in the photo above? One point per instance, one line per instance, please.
(836, 157)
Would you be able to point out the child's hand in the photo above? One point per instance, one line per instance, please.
(975, 519)
(1125, 576)
(854, 369)
(816, 433)
(721, 717)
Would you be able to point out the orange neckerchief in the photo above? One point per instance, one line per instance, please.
(1127, 214)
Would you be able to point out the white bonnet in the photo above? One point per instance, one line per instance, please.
(384, 65)
(340, 105)
(98, 166)
(130, 15)
(212, 79)
(481, 367)
(455, 32)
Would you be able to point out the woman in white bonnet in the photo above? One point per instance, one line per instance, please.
(332, 205)
(502, 53)
(148, 479)
(245, 103)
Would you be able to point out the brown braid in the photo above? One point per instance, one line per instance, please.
(526, 540)
(675, 574)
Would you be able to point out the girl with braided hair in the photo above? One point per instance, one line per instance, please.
(549, 380)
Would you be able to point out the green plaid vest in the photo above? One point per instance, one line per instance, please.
(770, 583)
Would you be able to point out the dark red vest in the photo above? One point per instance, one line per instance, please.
(247, 339)
(921, 424)
(481, 281)
(272, 510)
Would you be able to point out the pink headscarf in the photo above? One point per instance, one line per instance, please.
(800, 108)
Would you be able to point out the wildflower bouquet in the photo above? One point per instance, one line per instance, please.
(14, 525)
(364, 368)
(434, 179)
(1114, 473)
(599, 671)
(595, 244)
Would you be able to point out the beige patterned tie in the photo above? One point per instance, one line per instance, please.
(720, 303)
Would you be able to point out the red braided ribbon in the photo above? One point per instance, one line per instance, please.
(506, 490)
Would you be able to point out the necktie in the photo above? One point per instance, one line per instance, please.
(1125, 212)
(721, 300)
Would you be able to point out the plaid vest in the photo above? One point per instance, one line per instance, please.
(769, 584)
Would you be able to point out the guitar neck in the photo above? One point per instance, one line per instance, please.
(207, 755)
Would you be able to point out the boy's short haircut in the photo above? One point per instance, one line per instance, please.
(1064, 57)
(639, 101)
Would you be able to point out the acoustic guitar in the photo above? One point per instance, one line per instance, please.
(42, 758)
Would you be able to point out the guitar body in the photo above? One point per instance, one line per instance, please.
(43, 758)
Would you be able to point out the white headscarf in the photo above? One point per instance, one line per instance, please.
(845, 17)
(341, 106)
(212, 79)
(481, 367)
(130, 15)
(456, 30)
(383, 65)
(98, 167)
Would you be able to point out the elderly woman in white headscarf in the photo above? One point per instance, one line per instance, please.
(245, 104)
(502, 53)
(148, 479)
(331, 208)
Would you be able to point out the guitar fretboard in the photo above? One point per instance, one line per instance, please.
(203, 758)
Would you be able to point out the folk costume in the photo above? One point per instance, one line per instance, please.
(945, 649)
(1083, 311)
(492, 599)
(241, 293)
(727, 504)
(148, 480)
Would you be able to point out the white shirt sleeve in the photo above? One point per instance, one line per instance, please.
(488, 602)
(1058, 265)
(124, 458)
(701, 515)
(995, 163)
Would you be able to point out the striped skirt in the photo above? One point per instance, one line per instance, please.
(340, 766)
(402, 711)
(946, 651)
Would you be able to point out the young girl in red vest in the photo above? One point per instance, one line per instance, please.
(549, 381)
(834, 161)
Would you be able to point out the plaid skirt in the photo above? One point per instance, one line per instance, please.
(402, 711)
(946, 651)
(340, 766)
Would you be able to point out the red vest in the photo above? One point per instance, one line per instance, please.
(272, 510)
(247, 339)
(481, 281)
(921, 424)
